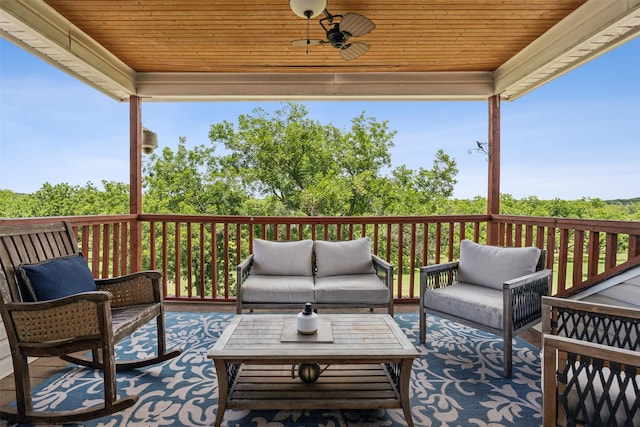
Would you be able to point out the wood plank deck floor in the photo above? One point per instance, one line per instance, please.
(44, 368)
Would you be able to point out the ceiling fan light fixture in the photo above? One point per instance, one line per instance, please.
(308, 9)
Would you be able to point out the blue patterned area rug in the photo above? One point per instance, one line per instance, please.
(457, 381)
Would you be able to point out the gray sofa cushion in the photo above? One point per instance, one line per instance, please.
(278, 289)
(491, 266)
(360, 288)
(344, 257)
(479, 304)
(284, 258)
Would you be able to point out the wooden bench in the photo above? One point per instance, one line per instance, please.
(80, 322)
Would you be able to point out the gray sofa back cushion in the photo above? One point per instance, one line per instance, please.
(491, 266)
(284, 258)
(343, 258)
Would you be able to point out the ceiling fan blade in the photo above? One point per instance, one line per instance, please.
(307, 42)
(354, 50)
(356, 25)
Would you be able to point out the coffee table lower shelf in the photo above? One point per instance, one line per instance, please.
(340, 386)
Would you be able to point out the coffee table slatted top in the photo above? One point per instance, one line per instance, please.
(355, 336)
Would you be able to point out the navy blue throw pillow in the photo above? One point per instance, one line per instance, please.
(58, 277)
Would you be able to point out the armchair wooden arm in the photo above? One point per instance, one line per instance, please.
(432, 277)
(438, 276)
(523, 298)
(61, 326)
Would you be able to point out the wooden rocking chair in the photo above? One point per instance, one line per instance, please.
(61, 326)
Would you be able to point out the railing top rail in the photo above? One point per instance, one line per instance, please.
(78, 220)
(601, 225)
(296, 220)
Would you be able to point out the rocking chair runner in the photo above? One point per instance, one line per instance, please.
(93, 320)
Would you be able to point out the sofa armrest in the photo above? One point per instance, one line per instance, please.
(523, 298)
(242, 272)
(384, 271)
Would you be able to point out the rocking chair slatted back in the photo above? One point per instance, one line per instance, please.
(28, 244)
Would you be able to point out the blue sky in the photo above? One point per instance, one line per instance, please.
(578, 136)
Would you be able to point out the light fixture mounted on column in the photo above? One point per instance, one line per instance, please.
(149, 141)
(308, 9)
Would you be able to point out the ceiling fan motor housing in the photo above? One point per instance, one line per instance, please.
(337, 38)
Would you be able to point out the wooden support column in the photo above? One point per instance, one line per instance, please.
(135, 182)
(493, 184)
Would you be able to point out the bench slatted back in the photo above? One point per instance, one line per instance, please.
(28, 244)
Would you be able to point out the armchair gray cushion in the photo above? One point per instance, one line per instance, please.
(344, 257)
(491, 266)
(476, 303)
(286, 258)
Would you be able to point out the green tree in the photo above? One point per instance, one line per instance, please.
(191, 181)
(421, 192)
(308, 167)
(14, 205)
(66, 200)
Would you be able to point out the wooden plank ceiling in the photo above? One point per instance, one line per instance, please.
(255, 36)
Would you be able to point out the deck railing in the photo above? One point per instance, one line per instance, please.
(198, 254)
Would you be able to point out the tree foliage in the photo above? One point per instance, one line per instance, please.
(191, 181)
(67, 200)
(309, 168)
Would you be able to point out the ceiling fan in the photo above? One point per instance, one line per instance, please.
(339, 29)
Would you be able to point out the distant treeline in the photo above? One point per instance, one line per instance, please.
(67, 200)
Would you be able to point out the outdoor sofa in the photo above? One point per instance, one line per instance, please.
(328, 274)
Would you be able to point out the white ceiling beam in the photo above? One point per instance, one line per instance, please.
(315, 86)
(39, 29)
(593, 29)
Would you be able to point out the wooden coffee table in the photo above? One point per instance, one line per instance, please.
(367, 357)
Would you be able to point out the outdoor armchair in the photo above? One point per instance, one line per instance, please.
(492, 288)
